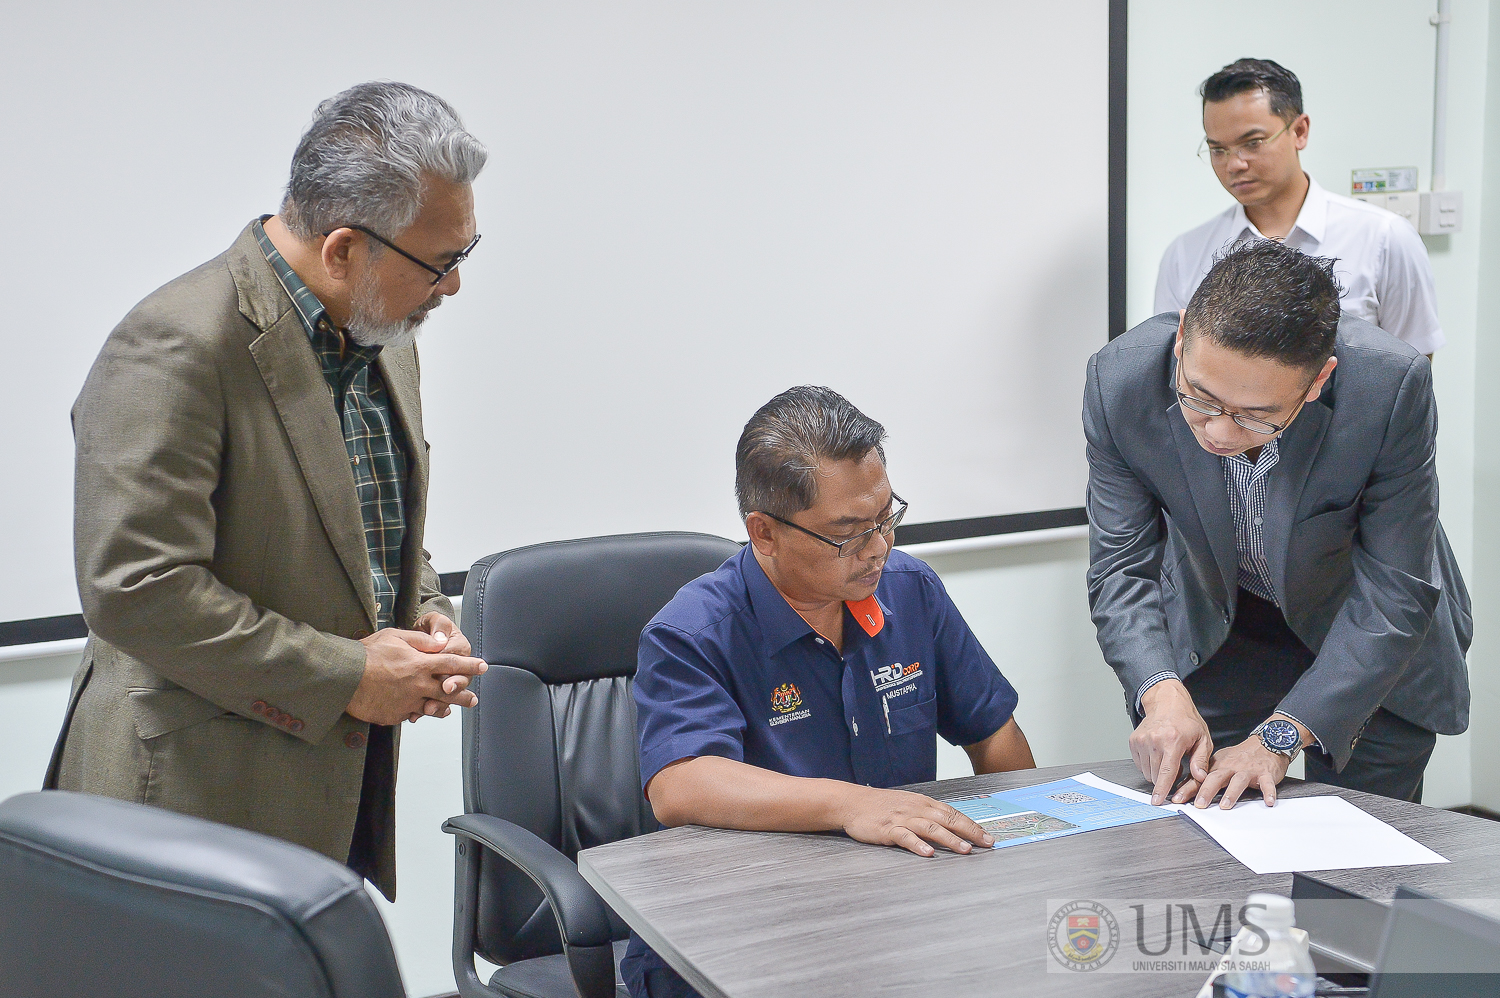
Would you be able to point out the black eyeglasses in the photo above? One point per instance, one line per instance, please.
(852, 546)
(440, 272)
(1264, 426)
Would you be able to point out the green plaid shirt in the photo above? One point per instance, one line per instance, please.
(376, 455)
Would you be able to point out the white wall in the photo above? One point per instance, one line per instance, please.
(829, 185)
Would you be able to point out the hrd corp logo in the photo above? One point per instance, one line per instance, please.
(1083, 935)
(890, 675)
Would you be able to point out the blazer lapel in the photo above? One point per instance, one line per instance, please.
(399, 369)
(304, 404)
(1205, 477)
(398, 372)
(1298, 449)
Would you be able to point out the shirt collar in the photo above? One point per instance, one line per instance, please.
(1312, 219)
(1267, 458)
(332, 345)
(781, 625)
(309, 309)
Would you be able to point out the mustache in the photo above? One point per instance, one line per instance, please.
(425, 308)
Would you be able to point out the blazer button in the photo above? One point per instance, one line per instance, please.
(361, 634)
(259, 706)
(355, 739)
(1193, 658)
(295, 726)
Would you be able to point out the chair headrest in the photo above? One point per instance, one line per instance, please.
(140, 883)
(573, 610)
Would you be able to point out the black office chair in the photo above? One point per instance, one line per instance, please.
(551, 760)
(109, 899)
(1436, 949)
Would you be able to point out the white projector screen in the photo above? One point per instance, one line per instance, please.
(689, 206)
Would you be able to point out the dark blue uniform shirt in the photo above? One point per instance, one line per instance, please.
(728, 668)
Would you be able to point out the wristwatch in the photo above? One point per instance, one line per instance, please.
(1279, 736)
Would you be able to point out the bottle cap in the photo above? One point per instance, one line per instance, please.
(1271, 911)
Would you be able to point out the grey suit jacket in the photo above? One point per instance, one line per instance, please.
(1360, 563)
(222, 565)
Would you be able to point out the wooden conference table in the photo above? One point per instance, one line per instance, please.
(747, 914)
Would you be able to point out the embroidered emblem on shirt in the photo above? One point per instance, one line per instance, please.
(785, 699)
(890, 675)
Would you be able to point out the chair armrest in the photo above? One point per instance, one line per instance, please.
(581, 915)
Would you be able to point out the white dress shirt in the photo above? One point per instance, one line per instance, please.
(1382, 263)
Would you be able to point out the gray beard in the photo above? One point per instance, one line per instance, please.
(366, 329)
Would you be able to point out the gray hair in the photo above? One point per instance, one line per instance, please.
(776, 462)
(363, 159)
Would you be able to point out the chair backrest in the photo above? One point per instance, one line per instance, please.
(1436, 949)
(107, 898)
(552, 745)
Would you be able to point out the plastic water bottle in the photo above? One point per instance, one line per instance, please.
(1288, 967)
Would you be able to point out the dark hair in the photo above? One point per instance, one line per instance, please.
(1264, 299)
(1280, 85)
(776, 461)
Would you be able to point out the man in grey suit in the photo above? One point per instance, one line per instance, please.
(1267, 570)
(250, 495)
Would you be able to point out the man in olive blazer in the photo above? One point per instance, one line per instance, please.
(237, 652)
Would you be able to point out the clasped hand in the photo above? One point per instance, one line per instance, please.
(412, 673)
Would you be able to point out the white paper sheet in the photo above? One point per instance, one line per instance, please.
(1309, 833)
(1298, 834)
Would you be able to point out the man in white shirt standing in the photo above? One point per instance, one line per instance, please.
(1254, 128)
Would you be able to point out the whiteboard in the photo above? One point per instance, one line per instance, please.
(689, 206)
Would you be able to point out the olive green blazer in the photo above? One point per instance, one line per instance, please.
(222, 565)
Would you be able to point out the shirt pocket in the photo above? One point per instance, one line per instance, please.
(915, 718)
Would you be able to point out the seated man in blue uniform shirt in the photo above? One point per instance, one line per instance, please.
(790, 689)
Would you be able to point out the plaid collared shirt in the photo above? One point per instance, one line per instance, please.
(376, 454)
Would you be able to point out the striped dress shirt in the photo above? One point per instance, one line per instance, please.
(1246, 482)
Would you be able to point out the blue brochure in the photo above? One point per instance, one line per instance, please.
(1050, 810)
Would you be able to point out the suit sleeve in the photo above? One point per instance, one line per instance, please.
(430, 598)
(150, 430)
(1126, 543)
(1394, 590)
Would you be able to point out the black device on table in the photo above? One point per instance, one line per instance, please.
(1418, 947)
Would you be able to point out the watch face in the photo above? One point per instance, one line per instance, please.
(1280, 736)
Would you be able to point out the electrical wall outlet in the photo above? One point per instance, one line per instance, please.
(1442, 212)
(1407, 204)
(1434, 213)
